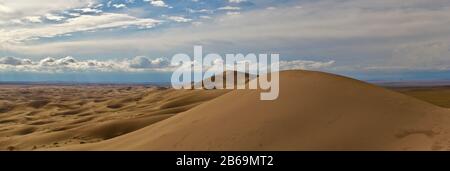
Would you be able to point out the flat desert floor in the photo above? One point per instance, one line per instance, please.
(315, 111)
(437, 95)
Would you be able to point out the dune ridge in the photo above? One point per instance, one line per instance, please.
(315, 111)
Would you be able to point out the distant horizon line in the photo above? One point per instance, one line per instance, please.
(81, 83)
(383, 83)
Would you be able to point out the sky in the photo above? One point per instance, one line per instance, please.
(134, 40)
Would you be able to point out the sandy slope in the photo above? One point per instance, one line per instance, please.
(315, 111)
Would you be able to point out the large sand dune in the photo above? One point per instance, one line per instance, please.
(315, 111)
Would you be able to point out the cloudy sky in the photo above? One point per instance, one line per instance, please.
(133, 40)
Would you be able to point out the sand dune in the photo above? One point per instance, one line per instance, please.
(41, 117)
(315, 111)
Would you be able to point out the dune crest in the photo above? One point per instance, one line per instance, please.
(315, 111)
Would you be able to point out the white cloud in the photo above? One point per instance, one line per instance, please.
(119, 5)
(157, 3)
(18, 9)
(78, 24)
(54, 17)
(236, 1)
(70, 64)
(230, 8)
(143, 62)
(57, 62)
(179, 19)
(200, 11)
(139, 63)
(33, 19)
(88, 10)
